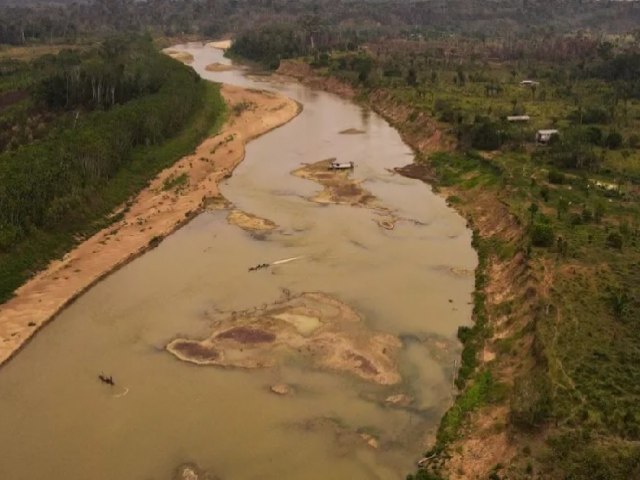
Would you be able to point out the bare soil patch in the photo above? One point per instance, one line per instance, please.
(196, 350)
(247, 335)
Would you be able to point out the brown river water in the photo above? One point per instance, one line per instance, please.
(57, 421)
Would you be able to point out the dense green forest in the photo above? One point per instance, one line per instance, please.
(83, 131)
(566, 361)
(47, 21)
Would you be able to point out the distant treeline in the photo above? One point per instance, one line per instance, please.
(45, 21)
(270, 43)
(109, 105)
(114, 74)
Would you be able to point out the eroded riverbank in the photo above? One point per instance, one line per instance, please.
(474, 442)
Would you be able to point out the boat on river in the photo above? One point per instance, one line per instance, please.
(335, 165)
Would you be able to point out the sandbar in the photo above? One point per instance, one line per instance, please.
(312, 326)
(339, 187)
(220, 44)
(150, 216)
(219, 67)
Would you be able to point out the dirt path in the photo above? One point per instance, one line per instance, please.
(171, 199)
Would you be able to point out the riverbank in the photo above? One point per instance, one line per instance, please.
(480, 404)
(171, 199)
(553, 304)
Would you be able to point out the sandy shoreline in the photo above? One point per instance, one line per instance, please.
(220, 44)
(156, 212)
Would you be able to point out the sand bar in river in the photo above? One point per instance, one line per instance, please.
(153, 214)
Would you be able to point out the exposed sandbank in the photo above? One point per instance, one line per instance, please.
(338, 185)
(153, 214)
(219, 67)
(249, 221)
(315, 326)
(340, 188)
(183, 57)
(220, 44)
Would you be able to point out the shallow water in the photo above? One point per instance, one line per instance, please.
(58, 421)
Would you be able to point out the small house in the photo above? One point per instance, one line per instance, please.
(518, 118)
(545, 136)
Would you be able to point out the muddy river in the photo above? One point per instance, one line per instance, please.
(405, 286)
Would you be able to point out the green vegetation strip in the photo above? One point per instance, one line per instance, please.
(59, 190)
